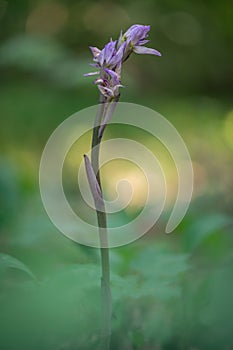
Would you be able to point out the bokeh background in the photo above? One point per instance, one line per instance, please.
(169, 292)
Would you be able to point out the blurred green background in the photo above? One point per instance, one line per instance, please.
(169, 292)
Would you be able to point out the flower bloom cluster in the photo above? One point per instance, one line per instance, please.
(109, 60)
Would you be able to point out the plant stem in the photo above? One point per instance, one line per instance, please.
(106, 298)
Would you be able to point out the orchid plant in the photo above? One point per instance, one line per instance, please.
(108, 63)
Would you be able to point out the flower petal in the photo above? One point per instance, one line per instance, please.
(116, 59)
(136, 33)
(143, 42)
(105, 91)
(109, 51)
(101, 57)
(90, 74)
(113, 75)
(95, 51)
(94, 65)
(141, 50)
(98, 81)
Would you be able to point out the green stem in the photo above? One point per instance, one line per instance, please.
(106, 298)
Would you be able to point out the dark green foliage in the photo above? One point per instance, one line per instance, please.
(161, 298)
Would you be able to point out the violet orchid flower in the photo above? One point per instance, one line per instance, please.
(135, 38)
(109, 60)
(109, 57)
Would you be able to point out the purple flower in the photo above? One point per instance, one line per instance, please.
(109, 57)
(109, 83)
(136, 34)
(135, 37)
(109, 60)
